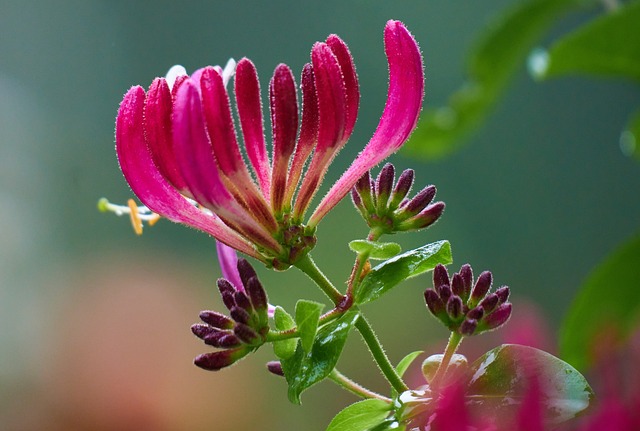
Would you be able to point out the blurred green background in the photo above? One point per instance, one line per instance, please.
(94, 322)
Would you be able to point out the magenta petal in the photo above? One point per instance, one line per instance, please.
(284, 123)
(247, 90)
(157, 126)
(228, 259)
(219, 123)
(151, 187)
(341, 51)
(404, 101)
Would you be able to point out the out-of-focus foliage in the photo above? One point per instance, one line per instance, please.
(608, 300)
(501, 51)
(630, 138)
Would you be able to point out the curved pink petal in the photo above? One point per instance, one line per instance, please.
(197, 164)
(352, 92)
(308, 131)
(228, 260)
(219, 125)
(247, 91)
(151, 187)
(401, 112)
(157, 126)
(284, 123)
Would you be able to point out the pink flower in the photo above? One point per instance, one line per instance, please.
(178, 150)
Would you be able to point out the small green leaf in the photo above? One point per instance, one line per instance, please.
(360, 416)
(283, 321)
(608, 45)
(390, 424)
(376, 250)
(610, 298)
(302, 370)
(405, 362)
(307, 316)
(505, 373)
(410, 264)
(502, 50)
(630, 138)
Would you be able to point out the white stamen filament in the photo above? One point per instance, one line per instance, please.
(174, 73)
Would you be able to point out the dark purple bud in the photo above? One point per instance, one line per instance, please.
(364, 187)
(227, 291)
(468, 327)
(275, 367)
(215, 319)
(467, 280)
(201, 330)
(357, 201)
(425, 219)
(246, 271)
(435, 304)
(444, 292)
(499, 316)
(257, 294)
(419, 202)
(476, 313)
(454, 307)
(402, 188)
(457, 285)
(246, 334)
(240, 315)
(226, 341)
(215, 361)
(384, 184)
(483, 284)
(489, 302)
(242, 301)
(502, 294)
(440, 276)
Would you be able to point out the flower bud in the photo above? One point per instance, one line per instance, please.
(489, 302)
(457, 285)
(476, 313)
(466, 273)
(468, 327)
(275, 367)
(426, 218)
(240, 315)
(201, 331)
(215, 361)
(502, 294)
(242, 301)
(440, 276)
(227, 293)
(357, 202)
(258, 295)
(445, 293)
(364, 189)
(384, 184)
(245, 270)
(435, 304)
(215, 319)
(454, 307)
(483, 284)
(419, 202)
(402, 188)
(246, 334)
(498, 318)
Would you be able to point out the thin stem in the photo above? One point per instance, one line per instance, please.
(309, 267)
(293, 332)
(379, 355)
(354, 387)
(454, 341)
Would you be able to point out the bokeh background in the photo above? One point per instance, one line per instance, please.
(94, 322)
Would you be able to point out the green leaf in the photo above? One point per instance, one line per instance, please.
(410, 264)
(506, 372)
(360, 416)
(283, 321)
(502, 50)
(375, 250)
(608, 45)
(307, 316)
(405, 362)
(303, 370)
(630, 138)
(609, 299)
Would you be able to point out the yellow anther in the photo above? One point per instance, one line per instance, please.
(154, 219)
(135, 217)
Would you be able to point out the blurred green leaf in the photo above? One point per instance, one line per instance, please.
(507, 372)
(410, 264)
(501, 51)
(389, 425)
(405, 362)
(307, 316)
(609, 299)
(608, 45)
(630, 137)
(283, 321)
(360, 416)
(302, 370)
(376, 250)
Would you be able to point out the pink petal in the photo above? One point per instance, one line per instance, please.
(157, 126)
(284, 123)
(151, 187)
(219, 124)
(228, 259)
(308, 131)
(341, 51)
(198, 167)
(404, 101)
(247, 91)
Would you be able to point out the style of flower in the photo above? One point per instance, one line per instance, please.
(178, 150)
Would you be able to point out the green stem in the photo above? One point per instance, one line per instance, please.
(309, 267)
(379, 355)
(454, 341)
(354, 387)
(293, 332)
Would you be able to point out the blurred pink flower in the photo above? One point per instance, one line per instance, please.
(177, 144)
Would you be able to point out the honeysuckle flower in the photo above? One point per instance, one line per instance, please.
(177, 146)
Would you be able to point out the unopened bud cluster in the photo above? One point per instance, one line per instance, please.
(465, 307)
(246, 327)
(384, 205)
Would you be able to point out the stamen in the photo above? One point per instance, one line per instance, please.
(228, 71)
(173, 73)
(135, 218)
(137, 214)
